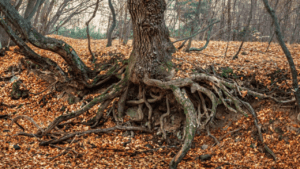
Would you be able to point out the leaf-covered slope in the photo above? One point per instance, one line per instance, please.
(117, 149)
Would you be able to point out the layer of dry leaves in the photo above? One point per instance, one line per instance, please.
(108, 150)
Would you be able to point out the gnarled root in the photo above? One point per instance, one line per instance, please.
(191, 124)
(222, 89)
(208, 90)
(110, 93)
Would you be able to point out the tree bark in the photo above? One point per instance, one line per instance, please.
(152, 48)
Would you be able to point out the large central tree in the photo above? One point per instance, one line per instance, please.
(152, 48)
(149, 69)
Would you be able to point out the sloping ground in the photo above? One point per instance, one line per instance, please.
(238, 146)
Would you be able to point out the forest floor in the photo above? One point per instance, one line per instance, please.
(264, 71)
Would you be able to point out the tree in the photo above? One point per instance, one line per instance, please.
(149, 68)
(285, 50)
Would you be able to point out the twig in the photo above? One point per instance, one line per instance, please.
(28, 118)
(54, 83)
(68, 136)
(221, 138)
(210, 135)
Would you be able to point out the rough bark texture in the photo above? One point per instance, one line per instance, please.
(152, 47)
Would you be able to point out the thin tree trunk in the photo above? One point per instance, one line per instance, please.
(245, 35)
(124, 26)
(48, 6)
(29, 8)
(112, 27)
(108, 25)
(121, 20)
(229, 19)
(207, 41)
(271, 39)
(36, 19)
(32, 7)
(88, 31)
(127, 33)
(229, 26)
(194, 24)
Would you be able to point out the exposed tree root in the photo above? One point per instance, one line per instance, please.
(208, 90)
(3, 116)
(66, 150)
(68, 136)
(100, 112)
(220, 87)
(210, 135)
(191, 124)
(162, 118)
(110, 93)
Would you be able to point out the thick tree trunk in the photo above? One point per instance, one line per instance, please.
(152, 48)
